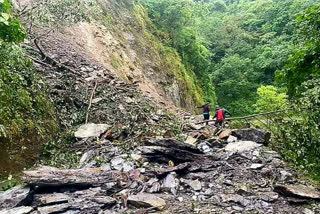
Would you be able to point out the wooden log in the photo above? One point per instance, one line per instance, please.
(249, 116)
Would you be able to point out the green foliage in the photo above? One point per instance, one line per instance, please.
(176, 26)
(298, 138)
(234, 86)
(10, 28)
(8, 183)
(56, 152)
(172, 61)
(26, 114)
(304, 62)
(269, 99)
(261, 31)
(24, 106)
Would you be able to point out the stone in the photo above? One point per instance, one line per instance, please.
(96, 100)
(256, 166)
(180, 199)
(209, 192)
(136, 157)
(55, 198)
(232, 139)
(307, 211)
(85, 157)
(147, 200)
(251, 134)
(191, 141)
(225, 134)
(285, 176)
(237, 208)
(242, 146)
(17, 196)
(195, 184)
(17, 210)
(269, 196)
(117, 163)
(106, 167)
(57, 208)
(155, 187)
(127, 166)
(169, 183)
(204, 147)
(299, 191)
(91, 130)
(230, 197)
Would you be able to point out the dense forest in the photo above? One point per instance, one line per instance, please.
(234, 47)
(256, 56)
(248, 56)
(252, 56)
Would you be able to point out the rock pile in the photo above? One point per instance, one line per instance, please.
(169, 176)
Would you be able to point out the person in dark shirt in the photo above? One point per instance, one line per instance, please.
(205, 111)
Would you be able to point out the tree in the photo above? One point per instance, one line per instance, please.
(304, 62)
(269, 99)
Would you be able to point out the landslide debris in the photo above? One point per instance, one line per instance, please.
(169, 176)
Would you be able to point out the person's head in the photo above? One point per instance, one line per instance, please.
(217, 107)
(207, 103)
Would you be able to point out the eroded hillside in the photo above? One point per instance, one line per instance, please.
(117, 35)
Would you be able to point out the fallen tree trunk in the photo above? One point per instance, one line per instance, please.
(249, 116)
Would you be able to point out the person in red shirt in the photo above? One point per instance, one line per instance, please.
(220, 115)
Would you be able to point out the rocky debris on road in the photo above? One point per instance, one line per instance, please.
(168, 176)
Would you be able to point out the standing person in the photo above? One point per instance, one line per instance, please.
(205, 111)
(220, 115)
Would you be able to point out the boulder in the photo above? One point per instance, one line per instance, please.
(17, 210)
(147, 200)
(91, 130)
(17, 196)
(251, 134)
(225, 134)
(299, 191)
(242, 146)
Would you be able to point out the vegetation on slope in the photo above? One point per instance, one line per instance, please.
(26, 114)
